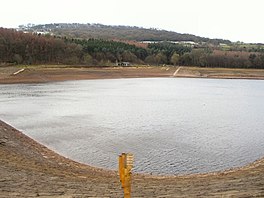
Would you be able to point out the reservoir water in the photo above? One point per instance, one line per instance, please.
(171, 125)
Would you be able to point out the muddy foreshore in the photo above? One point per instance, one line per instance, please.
(29, 169)
(50, 73)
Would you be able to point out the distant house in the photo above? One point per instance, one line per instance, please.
(123, 64)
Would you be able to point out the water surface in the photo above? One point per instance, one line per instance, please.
(172, 125)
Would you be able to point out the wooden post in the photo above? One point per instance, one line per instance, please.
(125, 167)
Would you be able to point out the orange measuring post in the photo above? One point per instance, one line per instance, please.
(125, 167)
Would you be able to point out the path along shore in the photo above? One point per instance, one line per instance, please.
(29, 169)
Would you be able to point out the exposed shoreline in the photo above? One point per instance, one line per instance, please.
(29, 169)
(49, 73)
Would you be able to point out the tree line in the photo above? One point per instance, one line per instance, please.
(24, 48)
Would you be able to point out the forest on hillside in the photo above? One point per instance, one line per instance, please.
(17, 47)
(100, 31)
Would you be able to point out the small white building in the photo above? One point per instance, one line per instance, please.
(123, 64)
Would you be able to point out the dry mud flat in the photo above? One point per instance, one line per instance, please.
(28, 169)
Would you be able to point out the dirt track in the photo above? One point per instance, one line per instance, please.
(28, 169)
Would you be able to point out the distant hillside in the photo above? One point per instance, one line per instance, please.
(19, 47)
(86, 31)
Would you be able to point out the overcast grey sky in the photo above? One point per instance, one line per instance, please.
(236, 20)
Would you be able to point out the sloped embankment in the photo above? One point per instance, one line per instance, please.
(28, 169)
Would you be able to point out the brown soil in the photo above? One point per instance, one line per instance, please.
(42, 73)
(55, 73)
(28, 169)
(227, 73)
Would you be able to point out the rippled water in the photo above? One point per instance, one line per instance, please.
(172, 125)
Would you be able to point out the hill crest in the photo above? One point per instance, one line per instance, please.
(120, 32)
